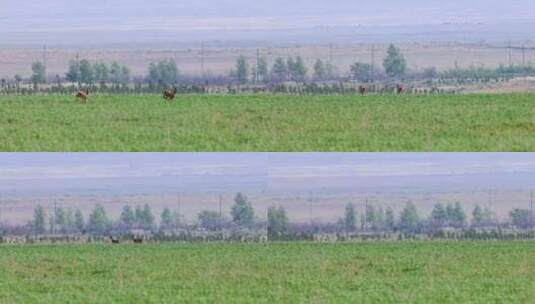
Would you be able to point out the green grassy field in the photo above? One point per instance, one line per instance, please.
(269, 123)
(426, 272)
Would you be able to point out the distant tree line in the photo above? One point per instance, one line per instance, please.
(374, 221)
(290, 75)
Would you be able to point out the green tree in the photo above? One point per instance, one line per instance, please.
(73, 74)
(60, 219)
(127, 218)
(409, 219)
(280, 70)
(38, 73)
(242, 211)
(430, 73)
(39, 220)
(394, 63)
(51, 224)
(379, 218)
(277, 222)
(115, 73)
(18, 79)
(489, 216)
(101, 72)
(320, 70)
(456, 217)
(164, 72)
(350, 218)
(262, 69)
(390, 220)
(148, 217)
(68, 226)
(242, 70)
(167, 219)
(139, 216)
(297, 68)
(86, 72)
(478, 216)
(370, 216)
(209, 220)
(177, 218)
(98, 220)
(450, 211)
(79, 221)
(154, 73)
(332, 71)
(125, 75)
(520, 218)
(361, 72)
(439, 217)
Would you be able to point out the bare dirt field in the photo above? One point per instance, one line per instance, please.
(221, 60)
(301, 206)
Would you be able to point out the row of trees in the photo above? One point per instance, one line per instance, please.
(295, 69)
(67, 221)
(373, 219)
(442, 216)
(166, 72)
(83, 71)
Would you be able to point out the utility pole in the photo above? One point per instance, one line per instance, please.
(490, 199)
(372, 64)
(257, 65)
(178, 202)
(54, 216)
(78, 69)
(531, 208)
(366, 214)
(202, 60)
(510, 54)
(220, 212)
(523, 55)
(44, 60)
(310, 206)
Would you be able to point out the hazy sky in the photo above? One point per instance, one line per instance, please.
(275, 165)
(70, 15)
(151, 23)
(262, 171)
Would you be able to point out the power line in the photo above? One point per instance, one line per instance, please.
(178, 202)
(220, 212)
(44, 59)
(490, 199)
(531, 208)
(510, 54)
(54, 216)
(257, 65)
(366, 214)
(523, 55)
(372, 64)
(310, 206)
(202, 60)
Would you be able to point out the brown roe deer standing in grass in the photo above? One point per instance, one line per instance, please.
(82, 95)
(363, 90)
(169, 94)
(114, 240)
(399, 88)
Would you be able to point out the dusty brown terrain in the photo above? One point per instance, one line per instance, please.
(221, 60)
(300, 207)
